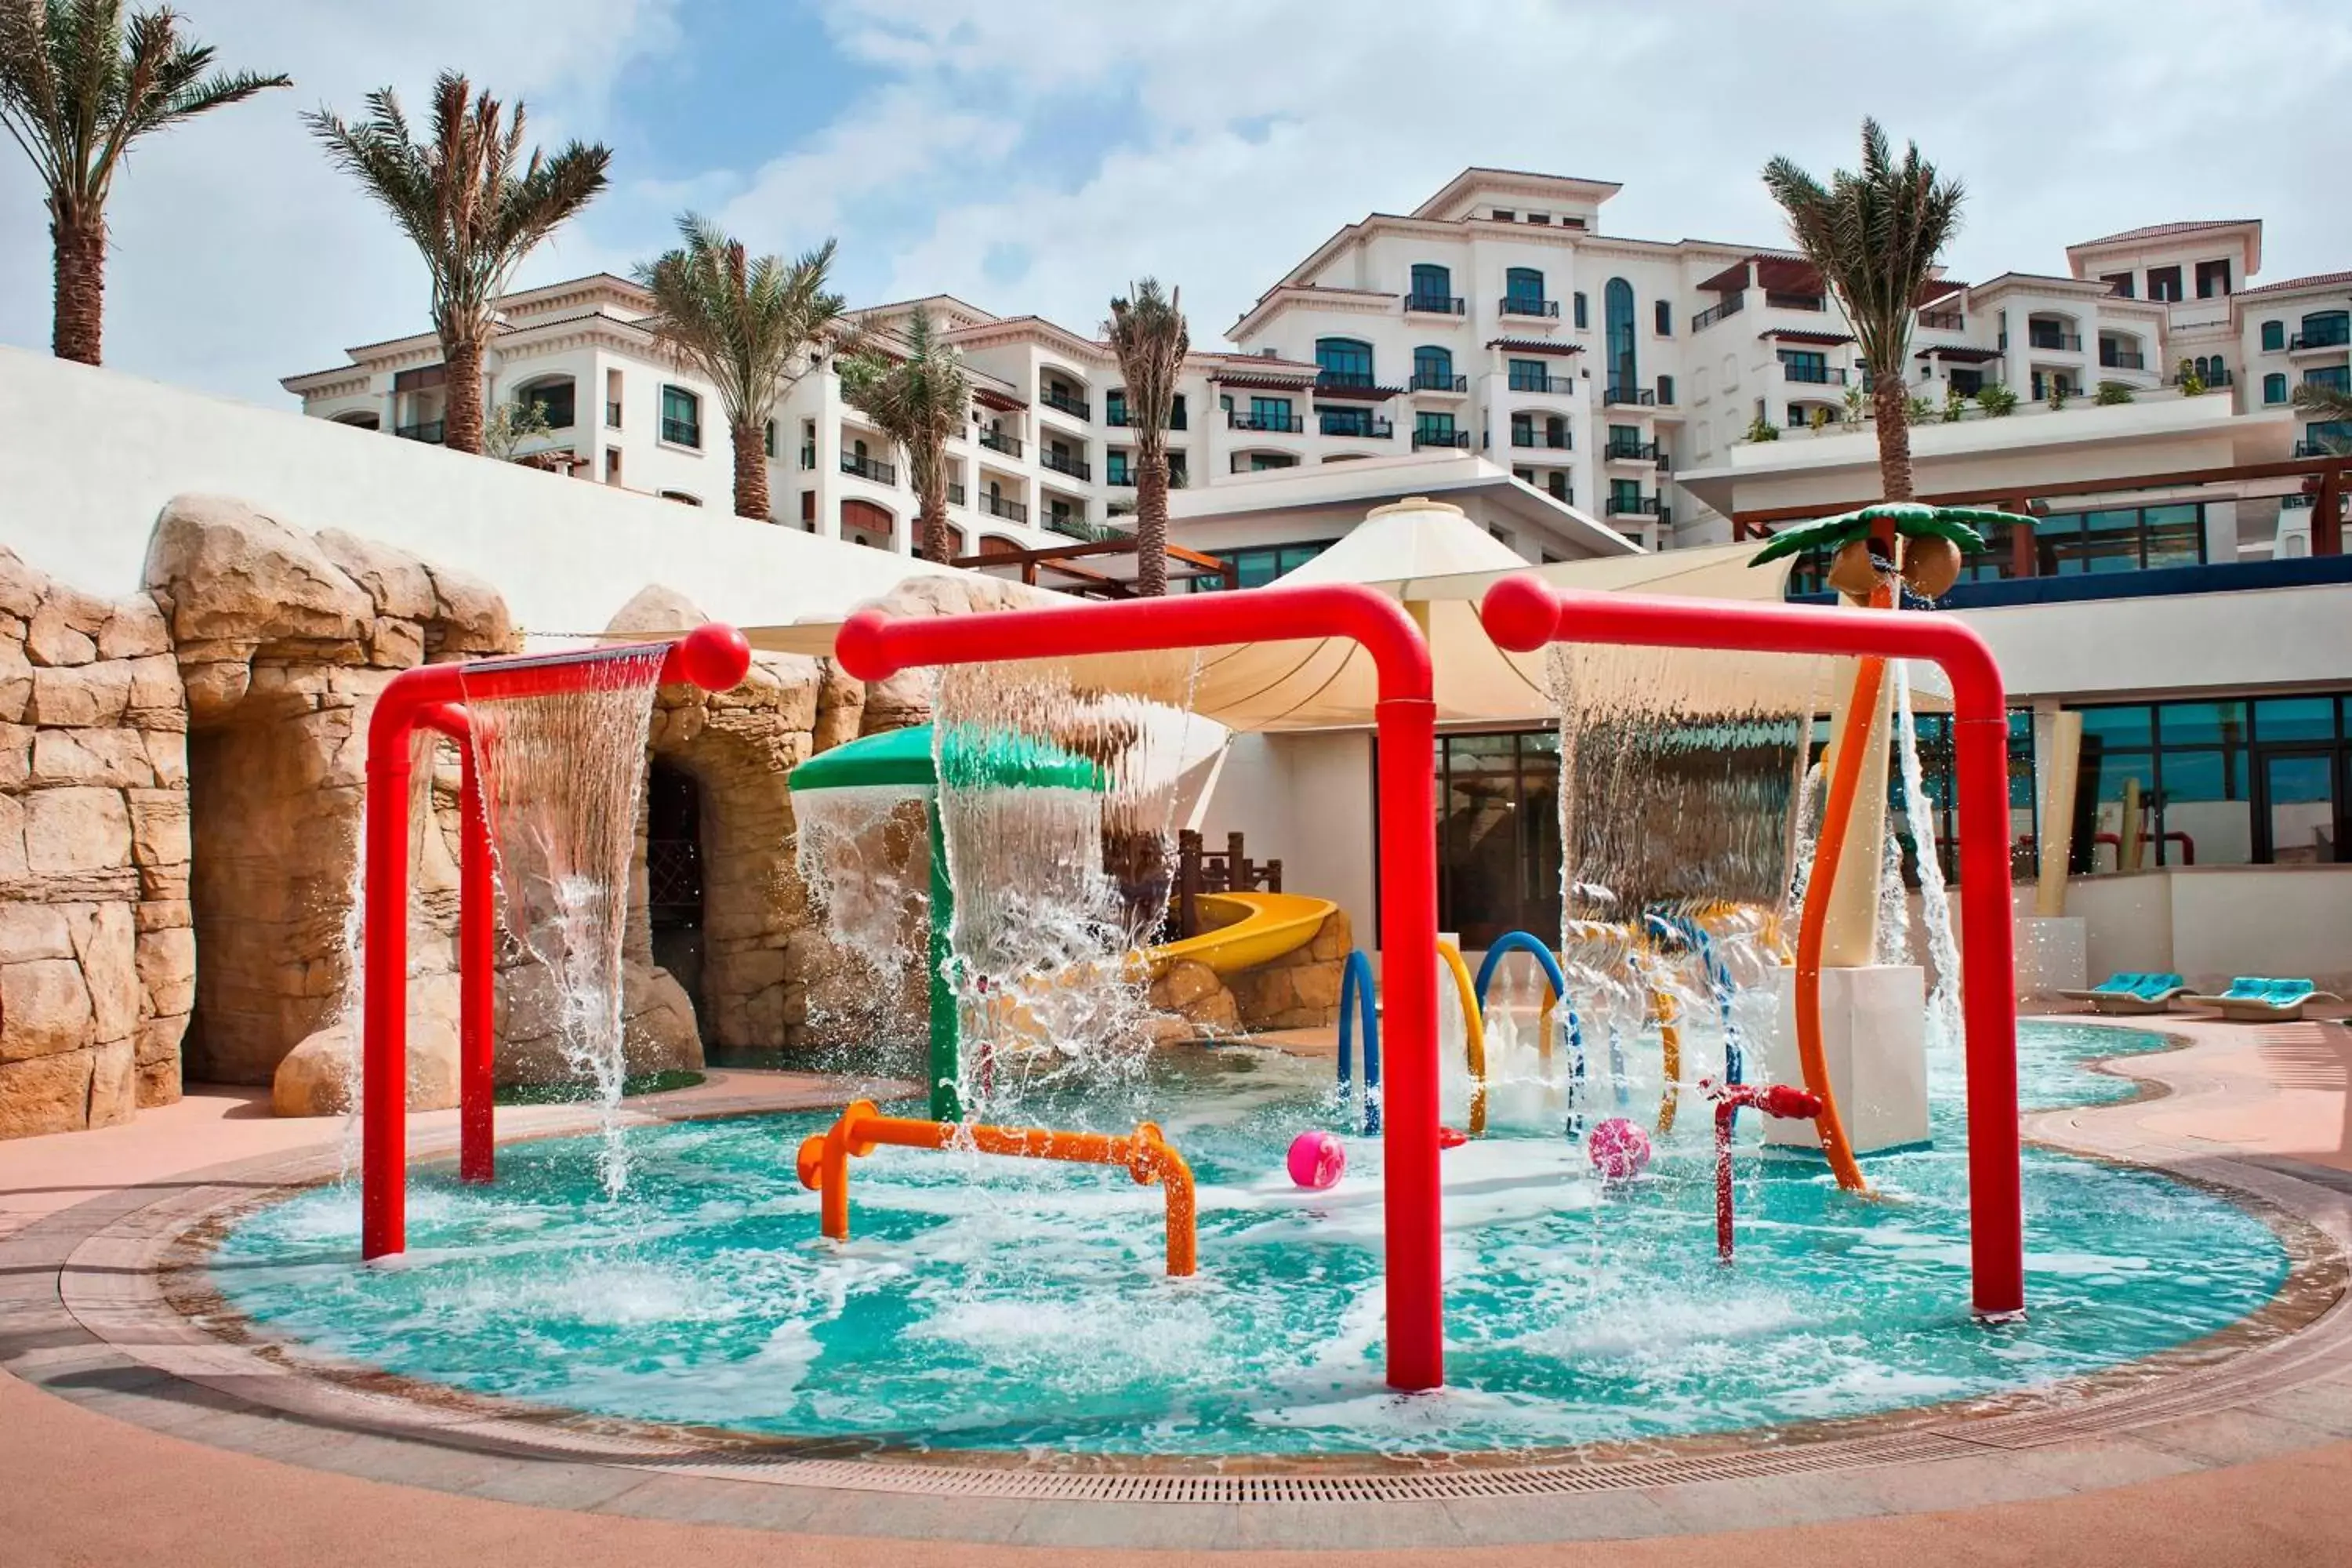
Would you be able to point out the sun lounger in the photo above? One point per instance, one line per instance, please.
(2251, 999)
(2133, 994)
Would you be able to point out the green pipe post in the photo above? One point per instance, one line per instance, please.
(947, 1019)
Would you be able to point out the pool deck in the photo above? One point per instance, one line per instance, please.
(126, 1436)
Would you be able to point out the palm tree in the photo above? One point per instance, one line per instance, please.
(78, 87)
(2321, 401)
(918, 396)
(473, 206)
(1875, 236)
(1148, 335)
(749, 327)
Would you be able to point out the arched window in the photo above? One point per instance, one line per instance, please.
(1433, 287)
(2275, 387)
(1432, 369)
(1522, 291)
(2322, 328)
(1344, 362)
(553, 396)
(681, 416)
(360, 421)
(1617, 310)
(2273, 337)
(681, 497)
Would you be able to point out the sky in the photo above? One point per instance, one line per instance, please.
(1033, 156)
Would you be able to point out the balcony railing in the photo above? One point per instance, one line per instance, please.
(2322, 450)
(681, 432)
(2325, 337)
(1813, 375)
(1010, 510)
(1435, 304)
(429, 431)
(1527, 305)
(1359, 429)
(1631, 396)
(1556, 385)
(1062, 463)
(1546, 440)
(1943, 321)
(1775, 299)
(1439, 381)
(1635, 506)
(874, 469)
(1459, 439)
(1731, 306)
(2121, 359)
(997, 441)
(1345, 378)
(1275, 424)
(1632, 451)
(611, 416)
(1075, 406)
(2066, 342)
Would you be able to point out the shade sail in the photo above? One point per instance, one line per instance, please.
(1439, 564)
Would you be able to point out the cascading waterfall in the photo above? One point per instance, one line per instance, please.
(1935, 899)
(1055, 886)
(561, 775)
(864, 854)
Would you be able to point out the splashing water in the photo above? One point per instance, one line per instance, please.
(561, 775)
(864, 853)
(1935, 899)
(1893, 930)
(1055, 886)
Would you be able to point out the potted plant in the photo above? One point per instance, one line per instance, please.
(2192, 384)
(1762, 429)
(1917, 410)
(2110, 393)
(2059, 392)
(1956, 404)
(1998, 401)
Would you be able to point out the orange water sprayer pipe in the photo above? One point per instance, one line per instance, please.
(824, 1162)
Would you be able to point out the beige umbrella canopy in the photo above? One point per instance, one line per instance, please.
(1438, 564)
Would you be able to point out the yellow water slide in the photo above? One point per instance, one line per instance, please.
(1251, 929)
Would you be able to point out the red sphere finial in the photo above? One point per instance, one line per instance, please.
(714, 656)
(1519, 614)
(859, 646)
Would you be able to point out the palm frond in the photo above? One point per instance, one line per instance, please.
(749, 327)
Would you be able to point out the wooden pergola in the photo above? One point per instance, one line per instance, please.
(1065, 561)
(2324, 479)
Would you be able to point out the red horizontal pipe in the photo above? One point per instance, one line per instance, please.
(874, 647)
(1522, 614)
(713, 656)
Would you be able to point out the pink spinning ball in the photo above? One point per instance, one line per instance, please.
(1619, 1149)
(1317, 1160)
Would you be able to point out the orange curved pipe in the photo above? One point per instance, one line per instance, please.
(824, 1162)
(1837, 812)
(1668, 1013)
(1473, 1031)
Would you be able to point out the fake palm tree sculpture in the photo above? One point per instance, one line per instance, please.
(1934, 541)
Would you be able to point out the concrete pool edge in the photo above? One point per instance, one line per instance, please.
(107, 1337)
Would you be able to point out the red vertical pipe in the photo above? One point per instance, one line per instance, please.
(1407, 727)
(476, 982)
(1727, 1110)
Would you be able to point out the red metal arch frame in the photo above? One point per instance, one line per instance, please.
(1523, 614)
(874, 647)
(431, 698)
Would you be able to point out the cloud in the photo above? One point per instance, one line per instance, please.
(1036, 156)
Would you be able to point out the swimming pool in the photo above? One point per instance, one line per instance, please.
(993, 1304)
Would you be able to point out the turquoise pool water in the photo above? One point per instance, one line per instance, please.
(1000, 1304)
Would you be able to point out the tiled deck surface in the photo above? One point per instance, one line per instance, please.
(146, 1442)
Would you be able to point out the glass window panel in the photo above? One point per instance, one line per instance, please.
(2131, 726)
(2295, 719)
(2058, 539)
(2110, 779)
(2208, 818)
(2111, 540)
(2202, 724)
(2300, 792)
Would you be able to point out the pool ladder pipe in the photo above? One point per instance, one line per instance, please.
(433, 698)
(1556, 997)
(1785, 1100)
(824, 1162)
(1685, 930)
(1356, 988)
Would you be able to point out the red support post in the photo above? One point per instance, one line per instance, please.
(477, 958)
(713, 656)
(873, 647)
(1522, 614)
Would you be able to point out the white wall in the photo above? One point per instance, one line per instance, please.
(2212, 923)
(2269, 637)
(91, 455)
(1307, 801)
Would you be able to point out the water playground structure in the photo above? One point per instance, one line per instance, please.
(1308, 1203)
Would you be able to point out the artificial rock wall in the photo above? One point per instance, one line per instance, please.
(97, 957)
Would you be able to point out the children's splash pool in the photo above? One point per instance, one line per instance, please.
(993, 1304)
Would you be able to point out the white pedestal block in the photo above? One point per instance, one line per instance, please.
(2053, 954)
(1874, 1034)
